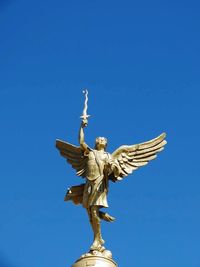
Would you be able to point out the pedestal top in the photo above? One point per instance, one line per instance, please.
(93, 261)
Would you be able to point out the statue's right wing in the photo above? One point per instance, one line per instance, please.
(74, 155)
(130, 158)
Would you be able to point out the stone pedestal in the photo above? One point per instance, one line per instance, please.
(94, 261)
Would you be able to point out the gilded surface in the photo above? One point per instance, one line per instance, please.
(98, 168)
(94, 261)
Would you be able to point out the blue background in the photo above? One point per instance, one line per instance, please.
(141, 64)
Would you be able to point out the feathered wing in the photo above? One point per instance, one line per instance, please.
(130, 158)
(74, 155)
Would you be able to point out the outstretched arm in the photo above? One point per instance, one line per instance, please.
(82, 143)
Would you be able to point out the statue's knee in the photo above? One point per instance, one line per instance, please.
(94, 212)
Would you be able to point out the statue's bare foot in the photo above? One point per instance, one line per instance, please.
(102, 249)
(101, 241)
(97, 245)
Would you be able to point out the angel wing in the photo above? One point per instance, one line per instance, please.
(130, 158)
(74, 155)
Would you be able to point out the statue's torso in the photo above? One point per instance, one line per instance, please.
(96, 163)
(96, 187)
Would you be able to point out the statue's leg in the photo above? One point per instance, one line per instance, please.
(96, 226)
(90, 217)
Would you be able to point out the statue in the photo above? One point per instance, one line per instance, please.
(98, 168)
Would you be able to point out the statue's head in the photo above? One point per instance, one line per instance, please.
(100, 142)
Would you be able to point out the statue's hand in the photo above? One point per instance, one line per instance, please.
(84, 123)
(107, 168)
(112, 167)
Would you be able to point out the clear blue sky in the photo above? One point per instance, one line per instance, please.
(140, 61)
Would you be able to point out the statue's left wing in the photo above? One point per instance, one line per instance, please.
(130, 158)
(74, 155)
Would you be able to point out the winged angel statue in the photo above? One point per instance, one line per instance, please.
(98, 167)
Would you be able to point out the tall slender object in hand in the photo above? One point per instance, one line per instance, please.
(98, 168)
(85, 116)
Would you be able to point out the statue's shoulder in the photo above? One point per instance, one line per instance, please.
(90, 153)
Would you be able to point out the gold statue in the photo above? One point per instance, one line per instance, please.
(99, 167)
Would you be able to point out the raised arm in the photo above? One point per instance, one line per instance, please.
(82, 143)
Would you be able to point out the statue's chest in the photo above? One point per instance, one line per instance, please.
(98, 156)
(95, 164)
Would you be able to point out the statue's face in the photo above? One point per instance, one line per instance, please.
(100, 142)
